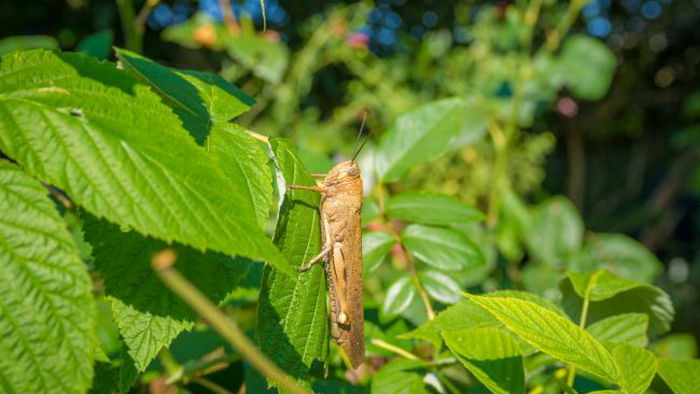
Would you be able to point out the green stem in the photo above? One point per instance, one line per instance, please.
(132, 37)
(555, 36)
(582, 324)
(229, 330)
(392, 348)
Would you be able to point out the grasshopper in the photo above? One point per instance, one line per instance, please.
(341, 204)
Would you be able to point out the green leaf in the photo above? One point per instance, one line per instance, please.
(637, 367)
(91, 130)
(98, 44)
(148, 314)
(460, 316)
(490, 354)
(441, 286)
(682, 376)
(629, 328)
(442, 248)
(47, 312)
(401, 377)
(619, 254)
(676, 346)
(587, 66)
(399, 296)
(433, 209)
(424, 134)
(551, 333)
(529, 297)
(641, 298)
(599, 285)
(201, 100)
(375, 246)
(556, 231)
(15, 43)
(266, 59)
(292, 323)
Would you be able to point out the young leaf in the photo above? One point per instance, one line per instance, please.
(401, 377)
(424, 134)
(115, 149)
(442, 248)
(551, 333)
(490, 354)
(433, 209)
(556, 231)
(375, 246)
(641, 298)
(441, 286)
(637, 367)
(399, 296)
(682, 376)
(599, 285)
(629, 328)
(292, 323)
(47, 312)
(148, 314)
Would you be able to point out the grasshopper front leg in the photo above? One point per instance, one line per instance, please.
(319, 257)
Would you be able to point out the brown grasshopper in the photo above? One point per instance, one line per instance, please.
(340, 208)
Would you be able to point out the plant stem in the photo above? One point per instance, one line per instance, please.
(132, 38)
(392, 348)
(213, 387)
(582, 324)
(554, 36)
(162, 263)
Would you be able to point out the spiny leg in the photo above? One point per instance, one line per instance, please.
(315, 260)
(316, 189)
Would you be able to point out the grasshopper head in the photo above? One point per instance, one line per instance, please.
(346, 171)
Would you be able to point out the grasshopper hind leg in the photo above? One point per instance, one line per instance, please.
(321, 256)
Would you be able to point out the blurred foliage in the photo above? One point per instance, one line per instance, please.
(594, 101)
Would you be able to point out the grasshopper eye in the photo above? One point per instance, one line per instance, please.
(352, 171)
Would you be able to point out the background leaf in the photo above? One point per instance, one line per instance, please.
(552, 334)
(556, 231)
(399, 296)
(441, 286)
(423, 134)
(599, 285)
(148, 314)
(587, 66)
(441, 248)
(682, 376)
(91, 130)
(433, 209)
(292, 322)
(401, 377)
(375, 246)
(47, 312)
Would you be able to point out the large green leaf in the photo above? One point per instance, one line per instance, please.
(424, 134)
(115, 149)
(637, 367)
(442, 248)
(460, 316)
(641, 298)
(630, 328)
(587, 66)
(551, 333)
(492, 355)
(47, 313)
(619, 254)
(292, 323)
(148, 314)
(599, 285)
(682, 376)
(556, 231)
(431, 209)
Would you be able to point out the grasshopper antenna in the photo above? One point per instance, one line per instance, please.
(359, 135)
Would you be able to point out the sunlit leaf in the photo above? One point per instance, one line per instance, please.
(375, 246)
(630, 328)
(682, 376)
(637, 367)
(433, 209)
(399, 296)
(442, 248)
